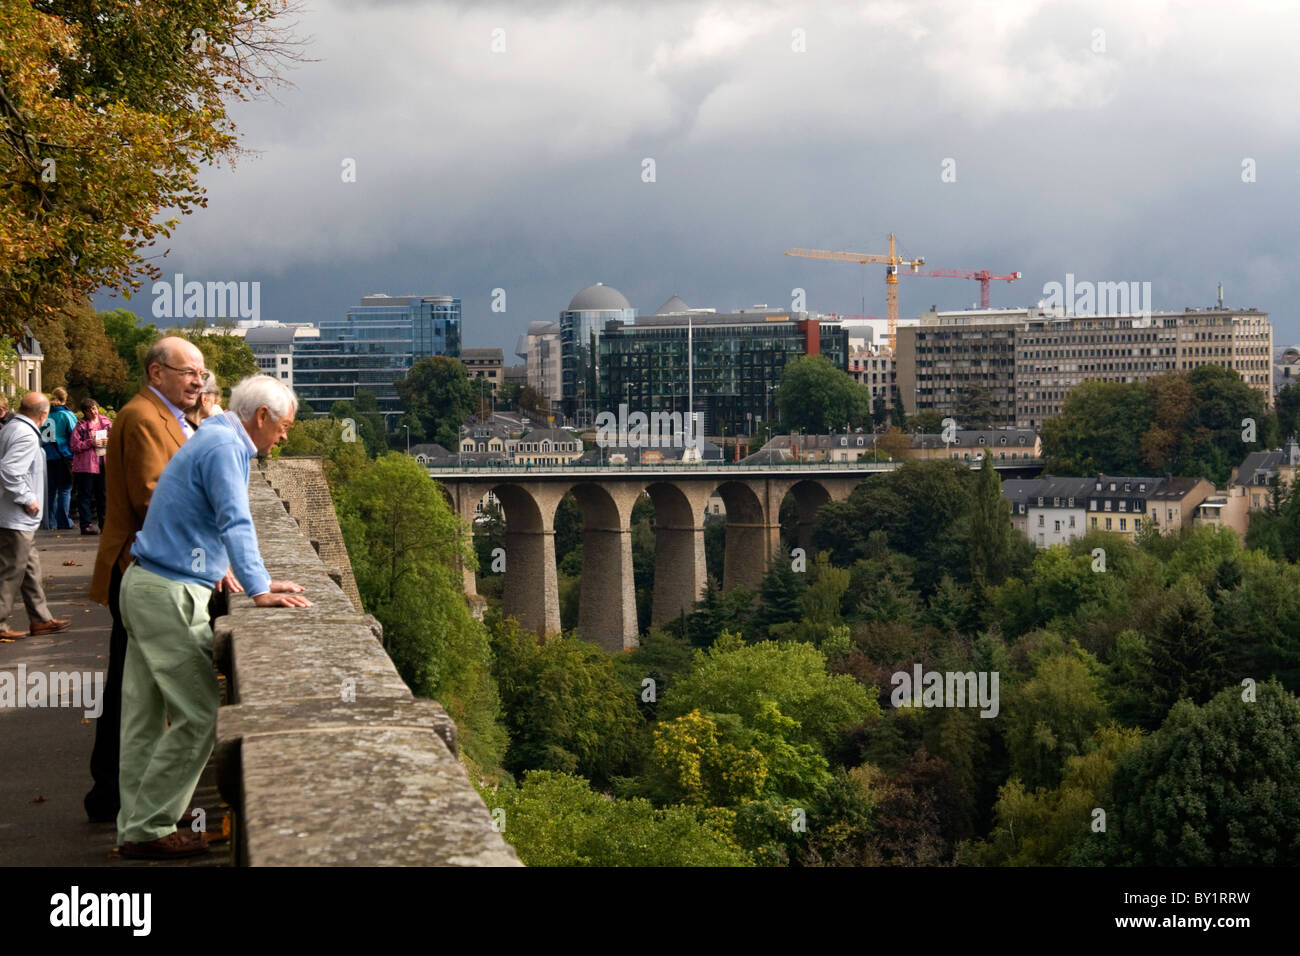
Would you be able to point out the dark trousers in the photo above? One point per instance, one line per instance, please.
(90, 498)
(102, 801)
(58, 482)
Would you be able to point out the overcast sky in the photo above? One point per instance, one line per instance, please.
(1103, 139)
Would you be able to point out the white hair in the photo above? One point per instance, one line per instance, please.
(257, 391)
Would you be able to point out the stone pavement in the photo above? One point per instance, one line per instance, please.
(45, 752)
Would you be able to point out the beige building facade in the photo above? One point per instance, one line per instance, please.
(1029, 359)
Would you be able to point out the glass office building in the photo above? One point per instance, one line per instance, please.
(581, 327)
(738, 358)
(374, 347)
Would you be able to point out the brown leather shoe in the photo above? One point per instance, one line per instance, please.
(169, 847)
(51, 626)
(9, 635)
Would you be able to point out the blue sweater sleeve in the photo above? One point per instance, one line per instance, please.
(225, 478)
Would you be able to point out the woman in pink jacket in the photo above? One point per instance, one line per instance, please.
(89, 441)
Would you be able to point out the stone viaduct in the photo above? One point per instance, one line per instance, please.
(752, 495)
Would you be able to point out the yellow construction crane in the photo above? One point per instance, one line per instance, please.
(891, 262)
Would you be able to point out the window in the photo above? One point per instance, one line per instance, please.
(284, 360)
(1169, 515)
(1094, 522)
(1123, 504)
(1107, 507)
(845, 441)
(1092, 506)
(1071, 521)
(1040, 521)
(1107, 524)
(1123, 524)
(1058, 526)
(1137, 524)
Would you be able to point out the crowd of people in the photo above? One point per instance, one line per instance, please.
(165, 486)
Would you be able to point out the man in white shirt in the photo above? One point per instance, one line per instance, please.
(22, 502)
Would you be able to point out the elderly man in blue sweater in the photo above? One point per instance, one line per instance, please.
(198, 525)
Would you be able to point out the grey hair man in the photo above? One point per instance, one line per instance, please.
(199, 524)
(22, 501)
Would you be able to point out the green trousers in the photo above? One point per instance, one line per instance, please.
(169, 701)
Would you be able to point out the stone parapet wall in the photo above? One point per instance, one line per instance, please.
(300, 483)
(323, 752)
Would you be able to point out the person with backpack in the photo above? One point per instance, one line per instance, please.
(56, 434)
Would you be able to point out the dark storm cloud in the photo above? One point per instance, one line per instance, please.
(1093, 138)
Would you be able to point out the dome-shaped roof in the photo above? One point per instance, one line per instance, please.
(675, 304)
(598, 298)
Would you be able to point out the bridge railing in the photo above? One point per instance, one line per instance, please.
(679, 467)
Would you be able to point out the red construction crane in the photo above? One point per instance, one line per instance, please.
(983, 275)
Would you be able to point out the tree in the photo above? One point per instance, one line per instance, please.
(437, 390)
(406, 546)
(1053, 715)
(556, 819)
(1054, 827)
(1099, 429)
(106, 113)
(1216, 785)
(894, 444)
(79, 355)
(734, 678)
(532, 402)
(1287, 407)
(974, 407)
(990, 527)
(927, 421)
(815, 397)
(565, 709)
(132, 341)
(921, 507)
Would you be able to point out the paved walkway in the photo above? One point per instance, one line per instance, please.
(45, 752)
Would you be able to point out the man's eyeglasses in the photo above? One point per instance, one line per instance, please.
(187, 372)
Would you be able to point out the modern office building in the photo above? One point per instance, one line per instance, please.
(738, 360)
(373, 347)
(272, 345)
(1028, 359)
(582, 325)
(539, 347)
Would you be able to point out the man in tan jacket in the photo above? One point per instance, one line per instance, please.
(148, 430)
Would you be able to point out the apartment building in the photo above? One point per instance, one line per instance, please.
(1029, 359)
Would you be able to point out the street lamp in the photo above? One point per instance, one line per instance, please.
(408, 438)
